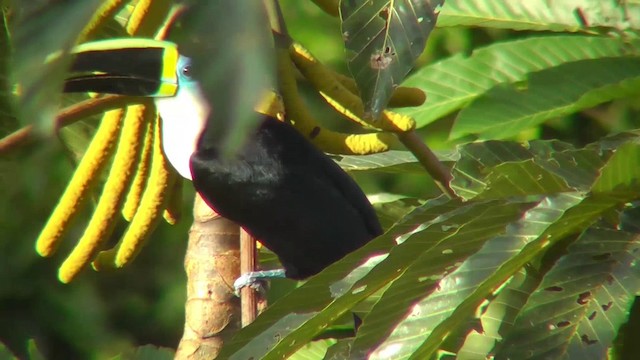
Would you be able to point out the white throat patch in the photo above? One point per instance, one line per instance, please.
(184, 117)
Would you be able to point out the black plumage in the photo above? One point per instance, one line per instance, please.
(289, 195)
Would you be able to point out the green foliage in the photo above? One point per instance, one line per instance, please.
(538, 258)
(383, 39)
(42, 33)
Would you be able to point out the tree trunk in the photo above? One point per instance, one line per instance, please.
(212, 263)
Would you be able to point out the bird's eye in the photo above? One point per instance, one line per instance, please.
(186, 71)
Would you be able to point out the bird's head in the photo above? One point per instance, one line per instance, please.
(149, 68)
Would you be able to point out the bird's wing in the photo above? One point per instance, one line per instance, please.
(321, 165)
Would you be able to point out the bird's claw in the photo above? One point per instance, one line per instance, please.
(250, 280)
(256, 279)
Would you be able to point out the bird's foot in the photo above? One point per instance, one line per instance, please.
(254, 279)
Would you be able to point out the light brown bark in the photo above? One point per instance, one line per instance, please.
(212, 263)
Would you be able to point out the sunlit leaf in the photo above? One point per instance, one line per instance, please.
(505, 111)
(582, 300)
(458, 284)
(454, 82)
(566, 15)
(440, 248)
(574, 219)
(622, 170)
(383, 39)
(496, 319)
(393, 161)
(313, 350)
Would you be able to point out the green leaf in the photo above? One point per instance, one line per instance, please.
(5, 353)
(313, 350)
(621, 171)
(508, 110)
(461, 281)
(392, 161)
(566, 15)
(390, 211)
(437, 250)
(41, 41)
(573, 219)
(501, 169)
(383, 39)
(232, 59)
(497, 318)
(455, 82)
(581, 302)
(33, 351)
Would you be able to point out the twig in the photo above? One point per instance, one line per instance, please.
(440, 173)
(68, 116)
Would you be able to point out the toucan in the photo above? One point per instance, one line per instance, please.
(279, 187)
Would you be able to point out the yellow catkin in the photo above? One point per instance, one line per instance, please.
(354, 144)
(106, 11)
(106, 214)
(346, 81)
(403, 96)
(342, 99)
(327, 140)
(93, 162)
(173, 212)
(147, 16)
(151, 206)
(142, 174)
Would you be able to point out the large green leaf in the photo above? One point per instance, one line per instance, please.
(383, 39)
(581, 302)
(455, 82)
(393, 161)
(574, 219)
(488, 251)
(496, 319)
(43, 34)
(499, 169)
(622, 170)
(566, 15)
(441, 250)
(505, 111)
(233, 60)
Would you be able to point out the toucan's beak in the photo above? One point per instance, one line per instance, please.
(135, 67)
